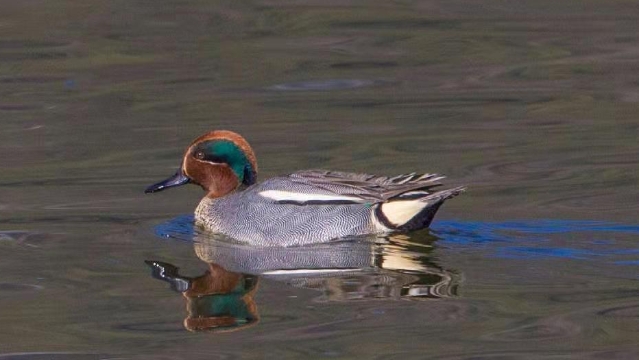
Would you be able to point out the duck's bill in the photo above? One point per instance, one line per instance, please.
(176, 180)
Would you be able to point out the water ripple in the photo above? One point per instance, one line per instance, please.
(624, 312)
(532, 354)
(324, 85)
(50, 356)
(547, 329)
(18, 288)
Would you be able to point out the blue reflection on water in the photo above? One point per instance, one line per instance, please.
(179, 228)
(511, 239)
(465, 232)
(538, 239)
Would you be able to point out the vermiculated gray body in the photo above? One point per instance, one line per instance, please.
(249, 217)
(317, 206)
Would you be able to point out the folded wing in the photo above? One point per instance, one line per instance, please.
(331, 187)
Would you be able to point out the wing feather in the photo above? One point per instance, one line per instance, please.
(365, 188)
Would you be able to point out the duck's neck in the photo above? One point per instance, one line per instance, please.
(222, 188)
(219, 182)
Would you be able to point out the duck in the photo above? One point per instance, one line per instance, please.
(304, 207)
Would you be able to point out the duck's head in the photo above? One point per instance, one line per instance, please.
(219, 161)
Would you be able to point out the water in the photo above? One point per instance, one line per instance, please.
(533, 105)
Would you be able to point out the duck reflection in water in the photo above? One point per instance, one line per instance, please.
(221, 299)
(218, 300)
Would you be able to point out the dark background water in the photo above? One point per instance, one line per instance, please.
(533, 104)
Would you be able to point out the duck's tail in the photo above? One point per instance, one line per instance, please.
(412, 210)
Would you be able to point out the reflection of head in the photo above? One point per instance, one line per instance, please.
(221, 300)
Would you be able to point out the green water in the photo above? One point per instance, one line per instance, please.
(533, 104)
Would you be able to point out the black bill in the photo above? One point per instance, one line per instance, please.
(176, 180)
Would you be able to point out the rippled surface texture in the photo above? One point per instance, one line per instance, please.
(533, 104)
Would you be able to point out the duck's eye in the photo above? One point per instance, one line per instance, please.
(199, 155)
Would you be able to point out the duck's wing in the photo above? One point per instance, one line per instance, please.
(329, 187)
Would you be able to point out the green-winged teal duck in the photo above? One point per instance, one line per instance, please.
(304, 207)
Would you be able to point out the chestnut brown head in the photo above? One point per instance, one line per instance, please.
(219, 161)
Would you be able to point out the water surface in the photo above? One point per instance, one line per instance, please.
(533, 105)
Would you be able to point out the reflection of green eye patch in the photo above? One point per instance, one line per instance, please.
(224, 305)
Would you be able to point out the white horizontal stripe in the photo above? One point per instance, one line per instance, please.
(308, 271)
(280, 195)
